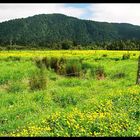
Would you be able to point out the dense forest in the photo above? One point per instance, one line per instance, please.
(58, 31)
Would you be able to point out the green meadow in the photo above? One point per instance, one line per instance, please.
(69, 93)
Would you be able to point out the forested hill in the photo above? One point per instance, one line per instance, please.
(44, 29)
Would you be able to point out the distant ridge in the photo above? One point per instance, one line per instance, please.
(47, 28)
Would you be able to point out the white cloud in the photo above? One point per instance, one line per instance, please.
(126, 13)
(12, 11)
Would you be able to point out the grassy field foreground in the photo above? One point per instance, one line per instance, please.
(41, 99)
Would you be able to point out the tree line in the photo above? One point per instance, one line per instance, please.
(70, 45)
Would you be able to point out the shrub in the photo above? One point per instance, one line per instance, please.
(61, 66)
(62, 60)
(38, 80)
(126, 56)
(86, 65)
(115, 59)
(104, 55)
(100, 73)
(67, 44)
(14, 58)
(88, 69)
(46, 62)
(54, 63)
(38, 63)
(62, 69)
(73, 68)
(119, 75)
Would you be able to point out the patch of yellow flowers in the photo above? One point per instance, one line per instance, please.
(77, 123)
(104, 122)
(31, 131)
(68, 53)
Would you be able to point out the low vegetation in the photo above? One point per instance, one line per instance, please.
(69, 93)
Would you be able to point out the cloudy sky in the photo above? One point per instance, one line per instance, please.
(121, 13)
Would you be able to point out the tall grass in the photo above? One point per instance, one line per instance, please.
(38, 80)
(73, 67)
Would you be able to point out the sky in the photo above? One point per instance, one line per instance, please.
(104, 12)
